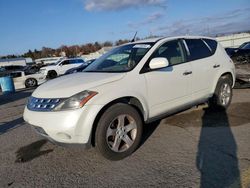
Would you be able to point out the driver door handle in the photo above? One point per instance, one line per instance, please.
(216, 66)
(187, 73)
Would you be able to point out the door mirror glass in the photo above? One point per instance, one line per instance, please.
(158, 62)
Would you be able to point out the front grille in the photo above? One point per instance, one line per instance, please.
(42, 104)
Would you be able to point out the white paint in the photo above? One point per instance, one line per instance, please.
(159, 91)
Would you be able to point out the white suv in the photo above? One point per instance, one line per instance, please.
(107, 105)
(60, 67)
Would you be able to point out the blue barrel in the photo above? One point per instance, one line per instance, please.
(7, 85)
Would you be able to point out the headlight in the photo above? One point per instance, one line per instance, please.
(75, 101)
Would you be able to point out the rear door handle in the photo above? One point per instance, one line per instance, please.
(216, 66)
(187, 73)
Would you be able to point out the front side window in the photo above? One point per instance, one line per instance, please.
(66, 62)
(171, 50)
(197, 49)
(120, 59)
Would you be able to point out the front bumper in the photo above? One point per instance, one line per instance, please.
(65, 127)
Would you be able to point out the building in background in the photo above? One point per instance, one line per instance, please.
(233, 40)
(15, 61)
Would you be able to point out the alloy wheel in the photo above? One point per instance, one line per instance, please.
(121, 133)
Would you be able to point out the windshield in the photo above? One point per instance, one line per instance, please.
(245, 45)
(120, 59)
(57, 62)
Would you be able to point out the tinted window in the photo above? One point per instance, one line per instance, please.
(198, 49)
(246, 46)
(171, 50)
(13, 67)
(16, 74)
(73, 61)
(66, 62)
(80, 61)
(212, 44)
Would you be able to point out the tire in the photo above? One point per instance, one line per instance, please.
(118, 133)
(223, 94)
(30, 82)
(52, 74)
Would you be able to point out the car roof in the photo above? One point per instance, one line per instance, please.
(171, 38)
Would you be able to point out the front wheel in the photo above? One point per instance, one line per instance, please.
(30, 82)
(52, 74)
(118, 132)
(223, 94)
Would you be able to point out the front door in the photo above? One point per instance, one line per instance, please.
(169, 88)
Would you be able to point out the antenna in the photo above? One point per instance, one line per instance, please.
(133, 40)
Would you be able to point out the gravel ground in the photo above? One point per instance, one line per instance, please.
(196, 148)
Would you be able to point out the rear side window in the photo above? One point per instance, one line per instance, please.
(212, 44)
(73, 61)
(197, 49)
(16, 74)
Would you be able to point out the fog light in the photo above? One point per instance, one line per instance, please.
(63, 136)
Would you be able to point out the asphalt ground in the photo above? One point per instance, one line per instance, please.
(196, 148)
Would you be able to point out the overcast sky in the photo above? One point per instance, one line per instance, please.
(32, 24)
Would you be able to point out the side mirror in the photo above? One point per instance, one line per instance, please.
(158, 62)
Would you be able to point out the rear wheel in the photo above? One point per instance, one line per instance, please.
(118, 132)
(223, 94)
(30, 82)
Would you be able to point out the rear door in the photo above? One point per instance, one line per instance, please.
(203, 66)
(168, 88)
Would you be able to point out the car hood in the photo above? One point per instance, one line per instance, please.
(47, 67)
(69, 85)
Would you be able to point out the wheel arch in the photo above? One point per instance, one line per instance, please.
(133, 101)
(225, 74)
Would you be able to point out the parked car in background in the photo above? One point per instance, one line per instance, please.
(241, 54)
(242, 75)
(48, 60)
(23, 79)
(108, 104)
(32, 69)
(241, 58)
(6, 70)
(60, 67)
(80, 68)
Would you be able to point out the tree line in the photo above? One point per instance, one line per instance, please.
(70, 51)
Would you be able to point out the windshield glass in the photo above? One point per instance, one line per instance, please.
(246, 46)
(120, 59)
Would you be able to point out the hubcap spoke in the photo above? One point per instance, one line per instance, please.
(111, 132)
(127, 140)
(121, 120)
(117, 143)
(130, 127)
(225, 94)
